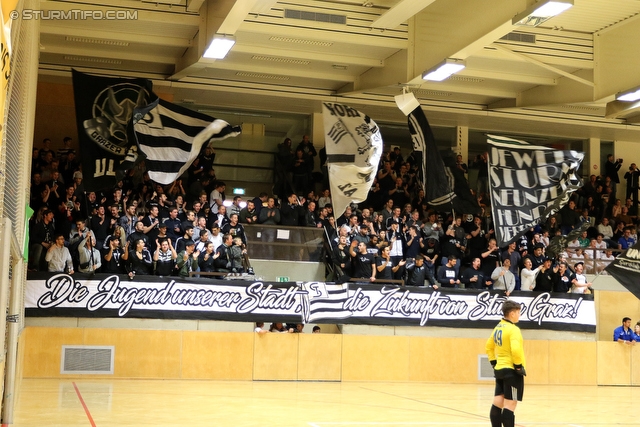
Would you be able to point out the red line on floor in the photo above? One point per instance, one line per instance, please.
(84, 405)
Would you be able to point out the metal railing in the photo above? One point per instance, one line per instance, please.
(283, 243)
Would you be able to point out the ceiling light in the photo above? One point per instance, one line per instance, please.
(629, 95)
(220, 46)
(443, 70)
(541, 12)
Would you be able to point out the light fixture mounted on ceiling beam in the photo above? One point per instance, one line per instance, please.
(540, 12)
(444, 70)
(220, 46)
(630, 95)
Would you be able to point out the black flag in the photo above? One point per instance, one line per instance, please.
(558, 244)
(528, 183)
(104, 106)
(626, 269)
(445, 189)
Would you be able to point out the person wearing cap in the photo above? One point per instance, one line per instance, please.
(537, 257)
(187, 259)
(545, 278)
(579, 280)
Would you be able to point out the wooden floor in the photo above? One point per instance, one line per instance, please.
(159, 403)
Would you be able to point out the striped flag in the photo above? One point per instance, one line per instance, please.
(170, 137)
(326, 301)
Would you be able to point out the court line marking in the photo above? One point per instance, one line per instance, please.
(84, 405)
(407, 423)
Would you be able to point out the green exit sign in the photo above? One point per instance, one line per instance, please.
(282, 279)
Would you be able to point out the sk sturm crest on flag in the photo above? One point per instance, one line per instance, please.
(170, 137)
(445, 187)
(104, 107)
(626, 269)
(528, 183)
(354, 146)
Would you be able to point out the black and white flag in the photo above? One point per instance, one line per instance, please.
(326, 301)
(445, 186)
(626, 269)
(104, 107)
(354, 146)
(528, 183)
(170, 137)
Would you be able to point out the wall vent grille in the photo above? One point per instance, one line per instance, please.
(80, 359)
(519, 37)
(315, 16)
(485, 370)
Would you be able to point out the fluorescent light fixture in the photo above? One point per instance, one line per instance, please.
(541, 12)
(443, 70)
(220, 46)
(629, 95)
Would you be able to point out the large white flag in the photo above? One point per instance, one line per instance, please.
(354, 146)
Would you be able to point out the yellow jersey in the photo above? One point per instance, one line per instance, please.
(505, 346)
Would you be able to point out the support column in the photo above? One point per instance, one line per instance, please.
(317, 135)
(462, 143)
(592, 157)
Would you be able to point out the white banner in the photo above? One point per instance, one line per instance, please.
(154, 297)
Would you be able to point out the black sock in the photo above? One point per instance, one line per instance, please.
(495, 416)
(508, 418)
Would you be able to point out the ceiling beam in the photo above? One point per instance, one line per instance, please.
(545, 66)
(120, 54)
(281, 71)
(509, 77)
(307, 55)
(55, 30)
(194, 5)
(401, 12)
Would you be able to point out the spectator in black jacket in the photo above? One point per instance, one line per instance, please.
(546, 278)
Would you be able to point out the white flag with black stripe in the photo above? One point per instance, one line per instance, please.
(170, 137)
(326, 301)
(354, 146)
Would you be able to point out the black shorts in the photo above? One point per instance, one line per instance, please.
(509, 384)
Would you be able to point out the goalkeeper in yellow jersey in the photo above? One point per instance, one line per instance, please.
(506, 354)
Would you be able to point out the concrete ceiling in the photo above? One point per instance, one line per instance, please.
(558, 79)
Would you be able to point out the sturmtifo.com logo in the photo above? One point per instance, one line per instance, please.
(75, 14)
(112, 110)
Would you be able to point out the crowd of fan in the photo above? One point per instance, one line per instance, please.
(140, 227)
